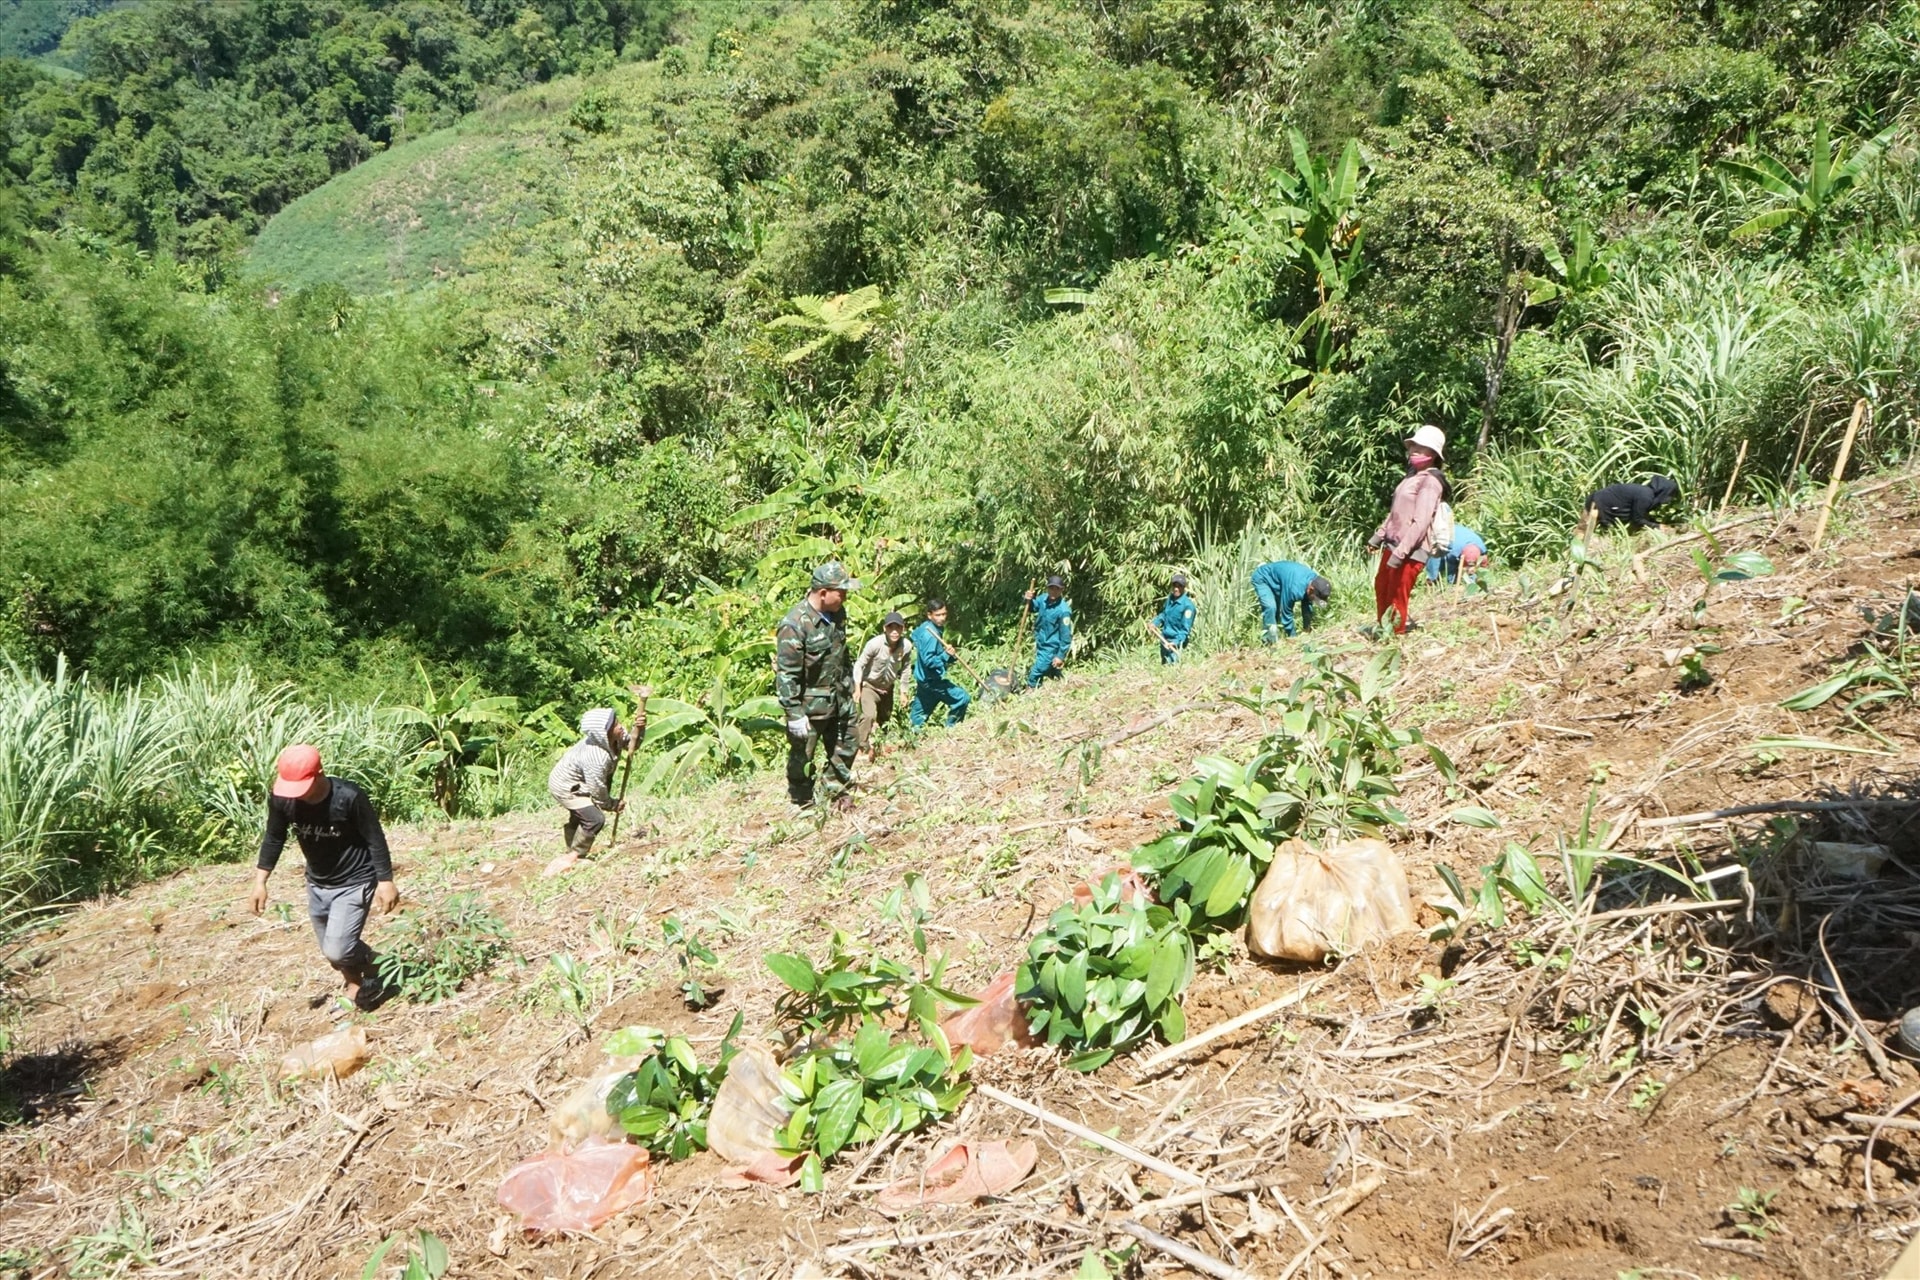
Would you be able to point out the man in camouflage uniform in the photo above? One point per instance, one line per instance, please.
(813, 679)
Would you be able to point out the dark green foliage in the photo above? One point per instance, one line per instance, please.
(1101, 978)
(665, 1101)
(191, 122)
(863, 1089)
(956, 292)
(428, 954)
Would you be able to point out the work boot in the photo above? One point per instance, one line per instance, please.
(581, 843)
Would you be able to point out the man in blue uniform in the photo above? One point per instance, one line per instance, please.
(1173, 627)
(932, 655)
(1280, 585)
(1052, 631)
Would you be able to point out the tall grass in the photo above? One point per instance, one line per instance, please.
(103, 785)
(1221, 572)
(1696, 361)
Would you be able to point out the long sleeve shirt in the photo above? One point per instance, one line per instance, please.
(881, 663)
(1052, 625)
(1175, 620)
(930, 656)
(340, 837)
(584, 772)
(1290, 582)
(1415, 500)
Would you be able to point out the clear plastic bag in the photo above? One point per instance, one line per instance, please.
(1313, 903)
(993, 1024)
(583, 1114)
(748, 1107)
(338, 1055)
(577, 1190)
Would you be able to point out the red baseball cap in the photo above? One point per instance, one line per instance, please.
(298, 767)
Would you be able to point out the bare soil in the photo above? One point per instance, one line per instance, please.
(1568, 1096)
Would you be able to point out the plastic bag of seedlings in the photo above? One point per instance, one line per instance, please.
(577, 1190)
(749, 1106)
(1313, 903)
(582, 1114)
(338, 1055)
(993, 1024)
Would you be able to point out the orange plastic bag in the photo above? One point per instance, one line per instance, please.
(963, 1173)
(579, 1190)
(1312, 903)
(338, 1055)
(993, 1024)
(1133, 887)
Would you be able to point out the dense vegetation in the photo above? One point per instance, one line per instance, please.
(960, 292)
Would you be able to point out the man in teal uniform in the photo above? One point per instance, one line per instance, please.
(932, 655)
(1280, 585)
(1173, 627)
(1052, 631)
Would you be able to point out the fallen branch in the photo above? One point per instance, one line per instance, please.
(1186, 1199)
(1204, 1263)
(1097, 1138)
(1776, 806)
(1669, 908)
(1227, 1028)
(1875, 1054)
(1358, 1192)
(1882, 1122)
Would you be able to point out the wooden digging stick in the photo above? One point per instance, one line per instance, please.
(1839, 468)
(640, 694)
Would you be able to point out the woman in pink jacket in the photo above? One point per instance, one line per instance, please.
(1402, 536)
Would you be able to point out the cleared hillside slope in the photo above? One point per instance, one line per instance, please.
(1566, 1096)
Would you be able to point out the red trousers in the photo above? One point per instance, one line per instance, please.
(1392, 587)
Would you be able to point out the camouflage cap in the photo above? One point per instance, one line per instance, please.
(833, 576)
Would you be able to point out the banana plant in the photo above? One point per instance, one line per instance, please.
(456, 734)
(714, 735)
(1581, 271)
(1806, 200)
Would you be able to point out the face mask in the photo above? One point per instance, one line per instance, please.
(1421, 461)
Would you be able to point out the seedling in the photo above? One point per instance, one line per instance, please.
(665, 1101)
(863, 1089)
(1646, 1093)
(1750, 1212)
(856, 986)
(1102, 977)
(575, 985)
(693, 956)
(426, 1257)
(429, 955)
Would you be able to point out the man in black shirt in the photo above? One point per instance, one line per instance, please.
(348, 866)
(1632, 504)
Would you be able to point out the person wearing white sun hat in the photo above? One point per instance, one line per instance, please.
(1402, 536)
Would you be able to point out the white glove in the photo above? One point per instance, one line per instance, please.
(799, 727)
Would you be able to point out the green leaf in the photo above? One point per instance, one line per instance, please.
(372, 1268)
(1815, 695)
(813, 1176)
(835, 1112)
(1163, 977)
(1474, 816)
(795, 971)
(1073, 982)
(634, 1042)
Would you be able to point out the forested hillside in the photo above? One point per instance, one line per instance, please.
(572, 391)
